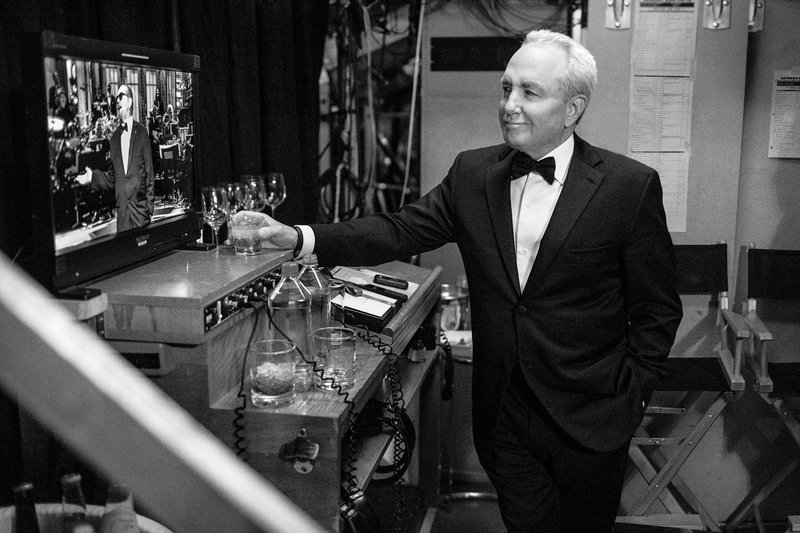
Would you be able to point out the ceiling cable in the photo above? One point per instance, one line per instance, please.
(415, 84)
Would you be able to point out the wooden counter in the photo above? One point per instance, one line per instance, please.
(158, 308)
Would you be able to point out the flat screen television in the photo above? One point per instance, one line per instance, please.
(93, 213)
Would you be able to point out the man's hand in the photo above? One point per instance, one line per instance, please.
(85, 178)
(276, 235)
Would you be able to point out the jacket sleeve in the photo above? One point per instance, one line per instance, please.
(653, 305)
(421, 226)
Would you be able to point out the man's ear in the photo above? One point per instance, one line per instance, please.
(575, 108)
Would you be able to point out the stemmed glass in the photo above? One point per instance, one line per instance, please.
(276, 190)
(215, 208)
(256, 191)
(234, 198)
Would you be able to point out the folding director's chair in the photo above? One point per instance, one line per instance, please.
(773, 355)
(705, 373)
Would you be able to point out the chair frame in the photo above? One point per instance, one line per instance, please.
(698, 409)
(764, 284)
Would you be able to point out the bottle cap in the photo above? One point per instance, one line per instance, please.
(25, 486)
(290, 269)
(309, 259)
(71, 478)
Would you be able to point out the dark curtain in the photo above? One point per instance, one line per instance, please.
(256, 104)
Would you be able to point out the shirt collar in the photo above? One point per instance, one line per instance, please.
(129, 122)
(563, 155)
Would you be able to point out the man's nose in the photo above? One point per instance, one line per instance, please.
(511, 104)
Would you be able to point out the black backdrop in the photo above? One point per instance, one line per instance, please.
(258, 86)
(259, 110)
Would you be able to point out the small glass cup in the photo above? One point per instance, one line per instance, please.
(335, 354)
(452, 304)
(243, 232)
(271, 363)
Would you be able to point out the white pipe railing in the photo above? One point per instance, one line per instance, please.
(84, 392)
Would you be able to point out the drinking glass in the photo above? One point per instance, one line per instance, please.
(257, 191)
(234, 203)
(271, 364)
(335, 354)
(215, 208)
(243, 232)
(276, 190)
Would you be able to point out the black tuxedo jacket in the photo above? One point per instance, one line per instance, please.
(595, 324)
(134, 190)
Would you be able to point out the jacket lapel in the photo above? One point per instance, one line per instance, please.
(496, 185)
(581, 184)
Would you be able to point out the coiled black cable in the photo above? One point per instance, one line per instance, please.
(239, 410)
(349, 467)
(401, 450)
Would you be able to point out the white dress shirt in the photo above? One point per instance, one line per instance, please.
(125, 142)
(532, 203)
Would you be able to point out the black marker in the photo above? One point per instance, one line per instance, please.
(389, 281)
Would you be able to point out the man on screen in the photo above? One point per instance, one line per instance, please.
(131, 176)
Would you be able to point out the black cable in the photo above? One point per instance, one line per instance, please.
(396, 407)
(352, 444)
(238, 412)
(494, 15)
(324, 149)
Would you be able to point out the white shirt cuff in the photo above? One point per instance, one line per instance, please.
(308, 240)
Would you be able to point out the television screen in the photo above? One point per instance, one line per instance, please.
(114, 183)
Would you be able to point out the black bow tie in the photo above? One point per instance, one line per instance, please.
(522, 164)
(124, 126)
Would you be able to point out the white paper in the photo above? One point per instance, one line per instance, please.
(660, 108)
(784, 124)
(660, 119)
(673, 169)
(664, 38)
(362, 304)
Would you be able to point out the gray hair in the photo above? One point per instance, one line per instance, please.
(581, 75)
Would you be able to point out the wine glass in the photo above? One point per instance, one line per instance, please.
(215, 208)
(234, 198)
(276, 190)
(257, 191)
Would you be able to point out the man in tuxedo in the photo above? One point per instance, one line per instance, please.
(131, 176)
(570, 269)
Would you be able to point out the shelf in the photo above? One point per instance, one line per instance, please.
(371, 449)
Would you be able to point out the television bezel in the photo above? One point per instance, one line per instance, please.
(62, 272)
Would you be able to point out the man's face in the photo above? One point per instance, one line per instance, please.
(124, 103)
(534, 116)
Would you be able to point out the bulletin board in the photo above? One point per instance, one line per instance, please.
(711, 87)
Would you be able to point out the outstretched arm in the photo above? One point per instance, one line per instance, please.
(277, 236)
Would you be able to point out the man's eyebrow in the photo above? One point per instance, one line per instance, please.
(525, 84)
(529, 84)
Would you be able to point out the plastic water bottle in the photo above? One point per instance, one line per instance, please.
(318, 283)
(74, 505)
(289, 306)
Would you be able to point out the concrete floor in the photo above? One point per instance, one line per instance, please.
(481, 515)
